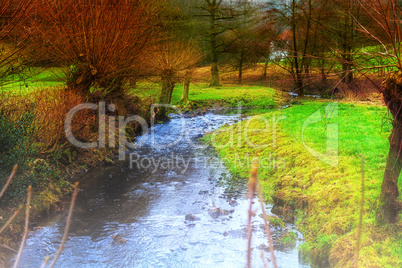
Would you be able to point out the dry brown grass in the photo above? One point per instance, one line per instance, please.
(252, 75)
(13, 106)
(51, 108)
(365, 88)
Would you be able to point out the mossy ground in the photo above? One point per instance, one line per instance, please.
(326, 198)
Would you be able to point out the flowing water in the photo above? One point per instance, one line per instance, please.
(172, 175)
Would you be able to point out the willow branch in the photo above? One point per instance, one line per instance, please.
(24, 237)
(359, 230)
(8, 180)
(45, 262)
(70, 213)
(10, 220)
(266, 222)
(251, 189)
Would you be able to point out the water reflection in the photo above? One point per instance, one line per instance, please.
(148, 209)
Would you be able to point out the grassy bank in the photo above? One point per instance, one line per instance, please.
(205, 97)
(324, 198)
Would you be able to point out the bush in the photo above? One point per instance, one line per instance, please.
(51, 108)
(16, 146)
(16, 140)
(44, 178)
(287, 240)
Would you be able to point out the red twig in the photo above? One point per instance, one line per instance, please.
(266, 223)
(70, 213)
(9, 180)
(10, 219)
(254, 185)
(24, 237)
(251, 189)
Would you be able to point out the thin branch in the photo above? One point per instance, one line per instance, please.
(24, 237)
(10, 219)
(9, 180)
(266, 222)
(70, 213)
(359, 230)
(45, 262)
(7, 247)
(251, 189)
(263, 259)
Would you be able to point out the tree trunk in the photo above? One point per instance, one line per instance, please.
(265, 68)
(389, 206)
(240, 72)
(167, 90)
(347, 69)
(298, 74)
(305, 61)
(117, 94)
(347, 46)
(166, 95)
(214, 74)
(299, 83)
(214, 51)
(80, 82)
(114, 91)
(186, 89)
(323, 74)
(350, 74)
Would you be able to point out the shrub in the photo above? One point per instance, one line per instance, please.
(43, 177)
(51, 108)
(287, 240)
(16, 146)
(15, 140)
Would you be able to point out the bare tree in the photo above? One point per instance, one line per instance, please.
(386, 31)
(266, 33)
(186, 86)
(299, 20)
(343, 35)
(218, 13)
(12, 41)
(168, 60)
(99, 41)
(242, 35)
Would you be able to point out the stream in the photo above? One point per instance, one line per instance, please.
(164, 208)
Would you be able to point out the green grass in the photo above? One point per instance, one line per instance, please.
(328, 196)
(365, 56)
(250, 96)
(228, 96)
(34, 78)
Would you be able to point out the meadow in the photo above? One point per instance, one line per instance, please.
(324, 197)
